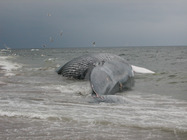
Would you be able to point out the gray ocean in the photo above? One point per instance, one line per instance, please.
(38, 104)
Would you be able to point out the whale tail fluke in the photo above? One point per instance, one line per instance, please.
(141, 70)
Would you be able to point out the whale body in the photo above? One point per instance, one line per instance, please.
(107, 73)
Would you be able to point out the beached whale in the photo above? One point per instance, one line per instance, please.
(107, 73)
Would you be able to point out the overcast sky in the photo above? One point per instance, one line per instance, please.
(79, 23)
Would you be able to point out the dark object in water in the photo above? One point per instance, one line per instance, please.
(108, 73)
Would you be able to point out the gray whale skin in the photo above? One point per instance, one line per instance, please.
(107, 73)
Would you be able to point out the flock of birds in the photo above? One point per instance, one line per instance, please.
(51, 39)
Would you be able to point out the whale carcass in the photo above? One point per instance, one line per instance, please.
(107, 73)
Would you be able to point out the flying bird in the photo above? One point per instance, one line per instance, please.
(93, 44)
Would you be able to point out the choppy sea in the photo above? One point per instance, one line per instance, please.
(38, 104)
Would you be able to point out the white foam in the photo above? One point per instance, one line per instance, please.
(151, 112)
(8, 66)
(5, 50)
(25, 114)
(82, 88)
(34, 50)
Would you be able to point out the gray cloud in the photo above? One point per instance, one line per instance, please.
(26, 24)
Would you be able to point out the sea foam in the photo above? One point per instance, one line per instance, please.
(7, 66)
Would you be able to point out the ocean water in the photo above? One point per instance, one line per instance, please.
(36, 103)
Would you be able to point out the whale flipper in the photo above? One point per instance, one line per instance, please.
(141, 70)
